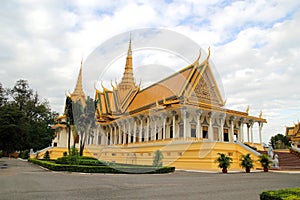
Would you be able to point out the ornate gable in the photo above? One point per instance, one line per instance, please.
(206, 91)
(201, 86)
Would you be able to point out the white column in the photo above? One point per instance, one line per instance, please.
(141, 129)
(129, 131)
(147, 129)
(164, 118)
(115, 135)
(251, 132)
(241, 138)
(134, 131)
(210, 128)
(199, 127)
(102, 133)
(184, 122)
(124, 132)
(174, 123)
(248, 132)
(120, 134)
(231, 131)
(259, 131)
(221, 130)
(111, 132)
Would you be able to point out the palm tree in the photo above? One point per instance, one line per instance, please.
(69, 119)
(247, 162)
(265, 162)
(224, 162)
(84, 120)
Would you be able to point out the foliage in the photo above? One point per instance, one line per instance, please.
(157, 160)
(283, 194)
(247, 162)
(84, 120)
(264, 161)
(74, 152)
(25, 119)
(47, 155)
(102, 169)
(0, 153)
(72, 160)
(224, 161)
(24, 154)
(65, 154)
(69, 119)
(279, 141)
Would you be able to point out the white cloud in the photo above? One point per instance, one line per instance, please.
(255, 45)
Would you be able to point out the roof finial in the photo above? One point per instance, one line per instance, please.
(260, 114)
(129, 48)
(247, 109)
(197, 60)
(208, 53)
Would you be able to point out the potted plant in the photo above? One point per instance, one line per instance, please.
(247, 162)
(265, 162)
(224, 162)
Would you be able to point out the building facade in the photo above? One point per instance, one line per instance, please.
(183, 115)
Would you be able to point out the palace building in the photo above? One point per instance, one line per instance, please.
(293, 133)
(183, 115)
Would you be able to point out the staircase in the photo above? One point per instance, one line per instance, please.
(287, 160)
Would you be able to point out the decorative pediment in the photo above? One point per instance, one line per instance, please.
(206, 91)
(201, 86)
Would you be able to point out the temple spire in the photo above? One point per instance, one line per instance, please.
(78, 94)
(129, 53)
(127, 81)
(127, 84)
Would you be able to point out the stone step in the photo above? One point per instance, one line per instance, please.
(287, 160)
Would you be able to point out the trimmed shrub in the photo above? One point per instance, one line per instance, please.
(284, 194)
(47, 155)
(24, 154)
(157, 160)
(101, 169)
(87, 158)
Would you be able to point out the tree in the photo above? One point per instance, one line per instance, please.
(69, 119)
(247, 162)
(224, 162)
(279, 141)
(84, 120)
(157, 160)
(3, 97)
(25, 119)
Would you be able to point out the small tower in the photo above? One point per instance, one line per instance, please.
(78, 94)
(127, 84)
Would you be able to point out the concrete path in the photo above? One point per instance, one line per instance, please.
(23, 180)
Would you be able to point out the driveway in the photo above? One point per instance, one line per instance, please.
(23, 180)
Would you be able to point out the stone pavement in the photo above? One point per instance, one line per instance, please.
(23, 180)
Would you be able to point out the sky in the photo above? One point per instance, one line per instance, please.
(255, 46)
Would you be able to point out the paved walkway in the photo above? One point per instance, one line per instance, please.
(23, 180)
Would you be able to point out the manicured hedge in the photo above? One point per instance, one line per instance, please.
(73, 160)
(101, 169)
(284, 194)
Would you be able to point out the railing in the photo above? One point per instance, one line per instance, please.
(248, 148)
(295, 148)
(45, 149)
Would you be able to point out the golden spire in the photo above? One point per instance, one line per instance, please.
(78, 93)
(127, 81)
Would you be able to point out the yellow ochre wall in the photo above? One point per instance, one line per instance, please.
(182, 155)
